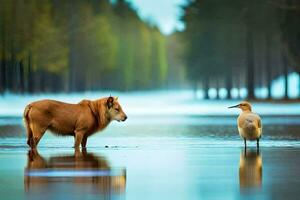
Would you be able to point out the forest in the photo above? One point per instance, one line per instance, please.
(79, 45)
(92, 45)
(235, 44)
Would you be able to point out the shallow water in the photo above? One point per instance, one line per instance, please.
(155, 157)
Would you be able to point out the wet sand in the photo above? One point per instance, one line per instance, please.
(184, 158)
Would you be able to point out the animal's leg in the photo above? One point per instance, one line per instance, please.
(83, 142)
(84, 152)
(32, 154)
(245, 144)
(77, 153)
(257, 143)
(29, 131)
(37, 134)
(27, 125)
(29, 135)
(78, 138)
(38, 138)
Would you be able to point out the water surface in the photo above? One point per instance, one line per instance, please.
(155, 157)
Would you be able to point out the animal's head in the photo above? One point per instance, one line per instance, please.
(245, 106)
(115, 110)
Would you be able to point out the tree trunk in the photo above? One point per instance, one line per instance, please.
(217, 88)
(195, 89)
(298, 86)
(3, 74)
(72, 27)
(3, 61)
(286, 74)
(229, 83)
(10, 76)
(17, 76)
(250, 63)
(30, 75)
(268, 66)
(21, 88)
(205, 87)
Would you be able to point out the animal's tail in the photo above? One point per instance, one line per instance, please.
(27, 125)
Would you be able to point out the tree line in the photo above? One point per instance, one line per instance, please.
(78, 45)
(234, 44)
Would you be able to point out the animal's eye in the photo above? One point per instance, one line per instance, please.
(117, 109)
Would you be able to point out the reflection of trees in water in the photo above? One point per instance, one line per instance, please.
(250, 169)
(81, 171)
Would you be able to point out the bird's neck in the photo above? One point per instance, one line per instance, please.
(246, 111)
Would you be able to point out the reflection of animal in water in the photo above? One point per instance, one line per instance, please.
(250, 170)
(80, 171)
(79, 120)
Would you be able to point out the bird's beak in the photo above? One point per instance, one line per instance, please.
(236, 106)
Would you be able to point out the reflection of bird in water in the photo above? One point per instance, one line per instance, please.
(249, 123)
(81, 172)
(250, 171)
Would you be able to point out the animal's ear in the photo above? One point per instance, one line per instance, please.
(110, 102)
(116, 98)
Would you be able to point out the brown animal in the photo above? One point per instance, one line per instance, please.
(79, 120)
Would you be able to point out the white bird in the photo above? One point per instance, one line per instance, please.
(249, 123)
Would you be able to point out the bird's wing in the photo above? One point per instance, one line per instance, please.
(259, 122)
(249, 119)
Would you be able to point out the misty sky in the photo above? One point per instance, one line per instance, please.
(164, 13)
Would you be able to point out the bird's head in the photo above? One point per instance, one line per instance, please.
(244, 106)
